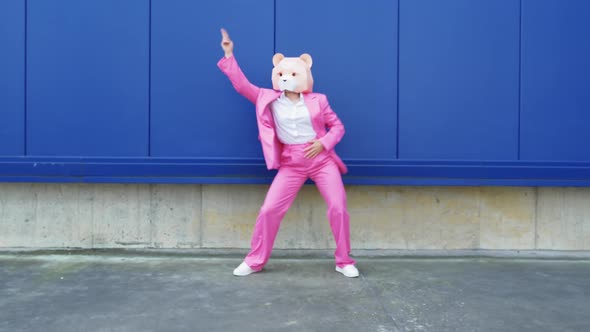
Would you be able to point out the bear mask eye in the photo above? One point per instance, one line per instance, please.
(281, 74)
(294, 74)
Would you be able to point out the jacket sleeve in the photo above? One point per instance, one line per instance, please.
(333, 123)
(229, 66)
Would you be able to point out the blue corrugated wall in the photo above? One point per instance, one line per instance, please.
(459, 92)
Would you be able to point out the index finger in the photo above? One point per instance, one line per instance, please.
(224, 34)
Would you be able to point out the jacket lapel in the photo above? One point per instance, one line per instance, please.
(267, 98)
(313, 106)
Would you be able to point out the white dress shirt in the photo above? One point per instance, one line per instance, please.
(292, 120)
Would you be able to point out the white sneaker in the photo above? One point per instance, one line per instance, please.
(349, 270)
(243, 270)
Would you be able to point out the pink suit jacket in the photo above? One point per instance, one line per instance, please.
(322, 116)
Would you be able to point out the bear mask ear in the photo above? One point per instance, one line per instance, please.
(307, 59)
(277, 58)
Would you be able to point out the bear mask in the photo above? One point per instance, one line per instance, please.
(292, 74)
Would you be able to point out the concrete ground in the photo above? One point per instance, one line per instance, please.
(104, 292)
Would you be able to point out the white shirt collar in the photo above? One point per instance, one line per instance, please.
(283, 98)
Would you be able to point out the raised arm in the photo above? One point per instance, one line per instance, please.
(229, 66)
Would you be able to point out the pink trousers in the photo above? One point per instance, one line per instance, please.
(293, 173)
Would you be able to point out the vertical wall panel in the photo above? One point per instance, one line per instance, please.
(88, 77)
(555, 80)
(195, 110)
(12, 76)
(354, 50)
(459, 79)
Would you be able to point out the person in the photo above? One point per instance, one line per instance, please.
(298, 131)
